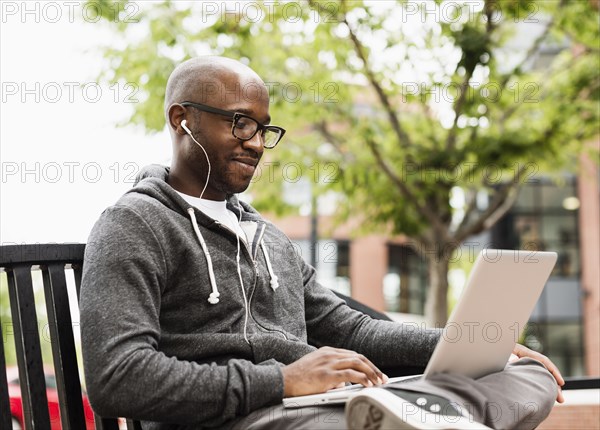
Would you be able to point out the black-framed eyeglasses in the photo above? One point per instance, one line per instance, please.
(244, 127)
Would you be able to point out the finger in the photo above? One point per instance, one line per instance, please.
(523, 351)
(339, 358)
(355, 377)
(378, 373)
(560, 398)
(338, 350)
(357, 363)
(557, 375)
(552, 369)
(346, 353)
(516, 350)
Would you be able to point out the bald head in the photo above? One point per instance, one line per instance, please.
(210, 80)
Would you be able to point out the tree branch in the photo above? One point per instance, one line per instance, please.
(535, 46)
(482, 222)
(508, 203)
(470, 208)
(425, 211)
(584, 45)
(404, 139)
(500, 204)
(460, 102)
(530, 52)
(458, 106)
(322, 128)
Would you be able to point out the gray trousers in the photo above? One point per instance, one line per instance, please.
(520, 397)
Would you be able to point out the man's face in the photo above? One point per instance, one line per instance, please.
(232, 161)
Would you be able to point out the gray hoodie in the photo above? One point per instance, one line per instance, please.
(155, 348)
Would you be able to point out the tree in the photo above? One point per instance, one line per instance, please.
(412, 103)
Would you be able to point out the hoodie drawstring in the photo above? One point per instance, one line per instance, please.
(274, 279)
(213, 298)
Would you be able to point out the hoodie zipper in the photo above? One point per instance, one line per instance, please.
(261, 234)
(255, 270)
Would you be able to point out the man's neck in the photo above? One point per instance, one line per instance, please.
(192, 189)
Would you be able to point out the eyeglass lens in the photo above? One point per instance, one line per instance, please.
(244, 128)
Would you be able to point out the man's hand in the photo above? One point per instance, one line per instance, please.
(522, 351)
(327, 368)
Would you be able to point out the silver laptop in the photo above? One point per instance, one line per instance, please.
(484, 326)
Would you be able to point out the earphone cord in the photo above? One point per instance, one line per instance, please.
(207, 160)
(238, 242)
(239, 270)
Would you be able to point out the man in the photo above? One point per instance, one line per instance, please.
(197, 313)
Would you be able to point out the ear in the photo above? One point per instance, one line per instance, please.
(176, 114)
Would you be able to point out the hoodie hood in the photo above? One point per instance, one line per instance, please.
(152, 181)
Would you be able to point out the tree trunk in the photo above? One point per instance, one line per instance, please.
(436, 304)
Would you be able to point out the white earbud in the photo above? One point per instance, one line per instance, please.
(184, 126)
(188, 131)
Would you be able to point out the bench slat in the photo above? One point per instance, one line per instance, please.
(106, 423)
(133, 425)
(77, 272)
(63, 347)
(27, 342)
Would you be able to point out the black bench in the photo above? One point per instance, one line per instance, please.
(18, 261)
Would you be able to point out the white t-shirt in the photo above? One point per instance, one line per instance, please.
(218, 211)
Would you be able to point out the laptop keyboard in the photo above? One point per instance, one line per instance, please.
(404, 379)
(396, 380)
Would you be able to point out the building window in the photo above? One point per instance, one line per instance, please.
(545, 217)
(405, 285)
(333, 262)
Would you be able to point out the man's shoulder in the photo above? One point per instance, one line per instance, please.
(134, 218)
(135, 205)
(129, 203)
(135, 200)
